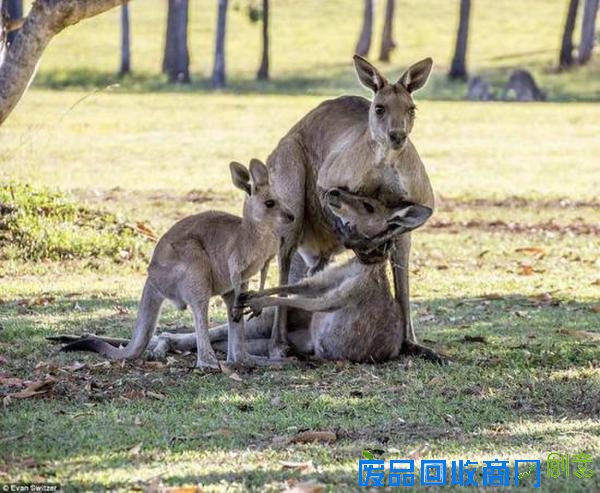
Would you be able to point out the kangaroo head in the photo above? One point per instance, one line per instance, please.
(262, 205)
(368, 226)
(392, 111)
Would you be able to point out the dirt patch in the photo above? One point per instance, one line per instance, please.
(574, 228)
(514, 202)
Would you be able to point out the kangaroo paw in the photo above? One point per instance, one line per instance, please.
(414, 349)
(279, 351)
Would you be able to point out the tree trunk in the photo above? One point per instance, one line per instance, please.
(588, 31)
(176, 59)
(125, 42)
(387, 37)
(3, 31)
(14, 9)
(219, 78)
(565, 58)
(364, 40)
(263, 70)
(45, 19)
(458, 68)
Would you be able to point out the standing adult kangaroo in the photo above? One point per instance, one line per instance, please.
(363, 147)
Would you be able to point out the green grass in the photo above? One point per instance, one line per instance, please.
(511, 255)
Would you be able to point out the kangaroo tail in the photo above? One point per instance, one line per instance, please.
(145, 324)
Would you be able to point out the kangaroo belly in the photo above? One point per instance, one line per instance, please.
(358, 333)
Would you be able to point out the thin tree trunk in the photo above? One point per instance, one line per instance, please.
(364, 41)
(263, 70)
(125, 41)
(588, 31)
(14, 9)
(219, 78)
(3, 32)
(45, 19)
(176, 59)
(387, 37)
(565, 58)
(458, 68)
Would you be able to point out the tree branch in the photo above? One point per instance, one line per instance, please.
(45, 19)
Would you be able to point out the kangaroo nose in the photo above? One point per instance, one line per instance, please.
(290, 217)
(397, 137)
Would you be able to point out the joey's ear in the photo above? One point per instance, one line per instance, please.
(409, 217)
(368, 75)
(240, 176)
(416, 75)
(259, 172)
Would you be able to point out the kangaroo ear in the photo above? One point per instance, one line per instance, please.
(259, 172)
(368, 75)
(416, 75)
(240, 176)
(409, 217)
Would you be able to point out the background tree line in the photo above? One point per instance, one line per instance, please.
(176, 55)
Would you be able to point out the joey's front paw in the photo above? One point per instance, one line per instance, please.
(237, 312)
(243, 298)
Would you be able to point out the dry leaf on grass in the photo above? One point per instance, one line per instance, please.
(469, 338)
(314, 436)
(136, 449)
(146, 230)
(156, 395)
(526, 270)
(580, 334)
(11, 381)
(416, 454)
(304, 467)
(531, 250)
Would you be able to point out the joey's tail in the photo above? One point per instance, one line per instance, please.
(145, 324)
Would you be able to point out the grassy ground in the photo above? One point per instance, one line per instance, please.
(505, 275)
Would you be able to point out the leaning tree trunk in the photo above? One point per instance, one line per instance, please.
(263, 70)
(14, 9)
(364, 40)
(387, 37)
(176, 59)
(125, 42)
(565, 58)
(588, 31)
(218, 76)
(458, 67)
(45, 19)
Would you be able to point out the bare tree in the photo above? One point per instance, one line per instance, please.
(14, 10)
(219, 78)
(387, 37)
(125, 41)
(45, 20)
(588, 31)
(263, 70)
(364, 41)
(176, 59)
(458, 67)
(565, 58)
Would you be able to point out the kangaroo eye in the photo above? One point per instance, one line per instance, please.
(369, 208)
(379, 110)
(269, 204)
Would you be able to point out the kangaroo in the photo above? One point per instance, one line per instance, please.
(523, 85)
(355, 315)
(363, 147)
(204, 255)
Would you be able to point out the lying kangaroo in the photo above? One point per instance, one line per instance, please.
(208, 254)
(355, 315)
(361, 146)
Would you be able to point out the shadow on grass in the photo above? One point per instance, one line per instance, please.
(526, 386)
(333, 80)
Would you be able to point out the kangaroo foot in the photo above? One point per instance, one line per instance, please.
(250, 361)
(208, 361)
(414, 349)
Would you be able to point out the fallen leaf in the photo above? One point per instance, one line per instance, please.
(531, 250)
(580, 334)
(74, 367)
(25, 394)
(182, 489)
(146, 230)
(595, 308)
(221, 432)
(11, 381)
(526, 270)
(121, 310)
(314, 436)
(136, 449)
(303, 467)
